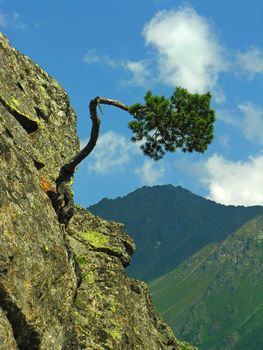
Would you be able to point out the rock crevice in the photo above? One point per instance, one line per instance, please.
(61, 288)
(25, 335)
(30, 126)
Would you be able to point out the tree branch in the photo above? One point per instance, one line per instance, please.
(65, 203)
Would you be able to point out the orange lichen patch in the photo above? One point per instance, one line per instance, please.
(46, 185)
(33, 139)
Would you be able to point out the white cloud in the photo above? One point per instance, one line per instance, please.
(112, 152)
(251, 62)
(219, 95)
(229, 182)
(141, 75)
(13, 20)
(92, 56)
(151, 172)
(224, 140)
(139, 70)
(189, 52)
(250, 122)
(237, 183)
(227, 117)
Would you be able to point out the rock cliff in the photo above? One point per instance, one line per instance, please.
(60, 289)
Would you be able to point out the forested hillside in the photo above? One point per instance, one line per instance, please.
(169, 224)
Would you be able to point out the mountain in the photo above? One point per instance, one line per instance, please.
(61, 287)
(215, 298)
(169, 224)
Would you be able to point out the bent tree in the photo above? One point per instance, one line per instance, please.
(183, 121)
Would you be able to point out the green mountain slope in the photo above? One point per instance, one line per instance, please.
(215, 298)
(169, 224)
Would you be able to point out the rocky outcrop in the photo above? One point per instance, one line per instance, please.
(60, 289)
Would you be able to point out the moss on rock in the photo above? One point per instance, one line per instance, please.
(59, 290)
(41, 106)
(118, 311)
(96, 239)
(37, 280)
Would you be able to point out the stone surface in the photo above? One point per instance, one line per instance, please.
(7, 340)
(59, 289)
(111, 310)
(37, 281)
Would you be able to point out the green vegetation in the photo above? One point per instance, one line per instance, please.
(184, 121)
(214, 299)
(63, 287)
(95, 239)
(162, 125)
(169, 224)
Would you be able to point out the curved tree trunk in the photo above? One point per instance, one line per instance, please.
(65, 203)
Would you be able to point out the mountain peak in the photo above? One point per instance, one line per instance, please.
(170, 223)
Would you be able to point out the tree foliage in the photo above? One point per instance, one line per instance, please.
(162, 125)
(184, 121)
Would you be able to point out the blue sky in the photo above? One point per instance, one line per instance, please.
(119, 49)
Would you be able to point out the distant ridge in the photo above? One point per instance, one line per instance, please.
(169, 224)
(215, 298)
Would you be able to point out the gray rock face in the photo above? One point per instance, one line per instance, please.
(37, 282)
(59, 289)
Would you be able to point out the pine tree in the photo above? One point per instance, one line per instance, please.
(183, 121)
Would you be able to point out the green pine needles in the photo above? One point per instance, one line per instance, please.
(162, 125)
(184, 121)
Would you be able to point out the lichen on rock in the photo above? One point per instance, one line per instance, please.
(60, 288)
(41, 107)
(113, 310)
